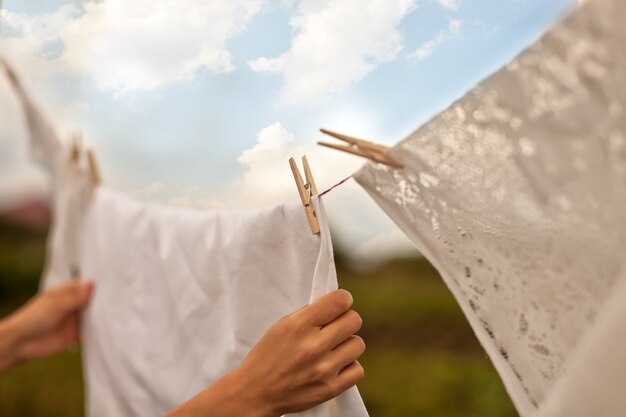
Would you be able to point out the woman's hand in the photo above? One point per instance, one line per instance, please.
(46, 325)
(305, 359)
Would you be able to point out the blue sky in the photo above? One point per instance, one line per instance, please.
(200, 105)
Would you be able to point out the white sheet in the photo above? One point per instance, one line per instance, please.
(182, 295)
(70, 189)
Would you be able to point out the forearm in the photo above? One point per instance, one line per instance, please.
(228, 397)
(9, 343)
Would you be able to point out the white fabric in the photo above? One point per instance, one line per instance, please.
(45, 145)
(69, 184)
(182, 295)
(593, 383)
(71, 191)
(516, 194)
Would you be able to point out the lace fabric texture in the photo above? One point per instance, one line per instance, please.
(516, 194)
(593, 382)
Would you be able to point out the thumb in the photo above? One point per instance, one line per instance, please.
(74, 295)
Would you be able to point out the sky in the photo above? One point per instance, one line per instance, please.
(201, 103)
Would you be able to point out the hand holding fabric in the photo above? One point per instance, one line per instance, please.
(305, 359)
(46, 325)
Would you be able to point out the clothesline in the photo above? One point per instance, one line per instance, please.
(335, 186)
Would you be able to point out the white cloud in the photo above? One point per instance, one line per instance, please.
(141, 45)
(263, 64)
(449, 4)
(272, 142)
(454, 26)
(31, 44)
(366, 231)
(427, 48)
(267, 178)
(335, 44)
(118, 46)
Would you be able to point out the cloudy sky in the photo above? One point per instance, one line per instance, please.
(200, 103)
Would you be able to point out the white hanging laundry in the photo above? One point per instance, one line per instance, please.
(182, 296)
(45, 145)
(69, 184)
(516, 194)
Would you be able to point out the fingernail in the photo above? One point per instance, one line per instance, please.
(347, 294)
(88, 285)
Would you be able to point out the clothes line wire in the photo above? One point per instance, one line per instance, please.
(335, 186)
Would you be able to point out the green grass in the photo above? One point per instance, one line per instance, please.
(47, 388)
(422, 358)
(404, 382)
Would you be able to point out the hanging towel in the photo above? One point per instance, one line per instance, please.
(183, 295)
(516, 194)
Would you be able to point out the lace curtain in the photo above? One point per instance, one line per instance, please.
(516, 194)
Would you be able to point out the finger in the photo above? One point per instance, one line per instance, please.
(341, 328)
(349, 377)
(71, 331)
(346, 353)
(73, 296)
(327, 308)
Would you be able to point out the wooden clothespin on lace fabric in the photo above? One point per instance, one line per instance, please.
(360, 147)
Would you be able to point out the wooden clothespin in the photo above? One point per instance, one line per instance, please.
(94, 172)
(307, 191)
(360, 147)
(76, 150)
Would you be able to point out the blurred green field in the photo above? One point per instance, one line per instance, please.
(422, 358)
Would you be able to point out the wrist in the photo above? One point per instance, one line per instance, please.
(10, 341)
(246, 396)
(230, 396)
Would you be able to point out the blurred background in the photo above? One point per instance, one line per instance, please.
(201, 103)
